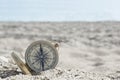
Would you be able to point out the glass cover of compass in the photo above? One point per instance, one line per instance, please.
(41, 56)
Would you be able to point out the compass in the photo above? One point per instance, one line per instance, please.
(40, 56)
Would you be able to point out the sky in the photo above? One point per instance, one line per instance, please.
(59, 10)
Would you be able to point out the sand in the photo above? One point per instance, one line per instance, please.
(88, 50)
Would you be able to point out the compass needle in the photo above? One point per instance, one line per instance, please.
(46, 63)
(41, 49)
(42, 62)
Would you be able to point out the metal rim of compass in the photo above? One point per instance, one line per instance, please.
(42, 56)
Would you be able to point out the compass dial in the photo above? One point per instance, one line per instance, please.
(41, 56)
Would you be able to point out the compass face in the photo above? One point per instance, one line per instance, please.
(41, 56)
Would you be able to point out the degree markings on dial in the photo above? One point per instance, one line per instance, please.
(38, 53)
(31, 52)
(35, 61)
(32, 55)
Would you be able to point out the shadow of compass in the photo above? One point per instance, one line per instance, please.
(8, 73)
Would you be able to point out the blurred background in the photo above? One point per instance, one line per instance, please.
(59, 10)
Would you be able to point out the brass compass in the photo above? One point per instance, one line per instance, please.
(39, 56)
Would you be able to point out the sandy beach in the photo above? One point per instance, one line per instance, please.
(88, 50)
